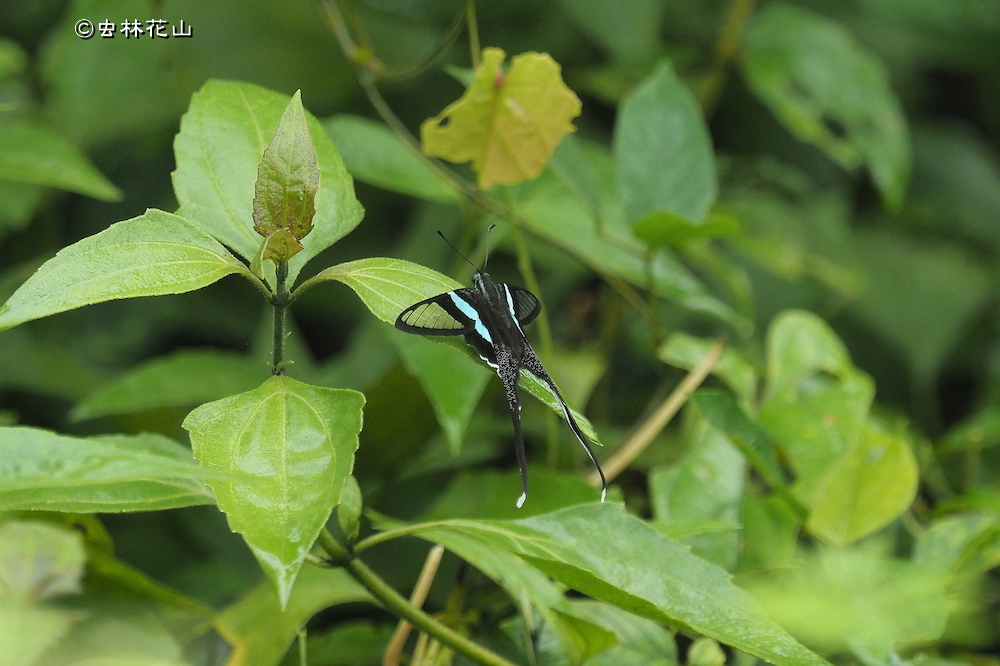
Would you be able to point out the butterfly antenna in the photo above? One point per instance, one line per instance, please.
(489, 232)
(457, 250)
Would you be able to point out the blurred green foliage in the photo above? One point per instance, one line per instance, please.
(817, 181)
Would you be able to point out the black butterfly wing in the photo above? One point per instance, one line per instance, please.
(437, 315)
(525, 305)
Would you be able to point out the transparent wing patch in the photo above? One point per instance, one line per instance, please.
(526, 305)
(434, 316)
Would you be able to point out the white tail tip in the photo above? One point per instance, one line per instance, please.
(604, 494)
(520, 500)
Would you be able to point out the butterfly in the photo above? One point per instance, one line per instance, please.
(492, 317)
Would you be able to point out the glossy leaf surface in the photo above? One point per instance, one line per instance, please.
(154, 254)
(600, 551)
(287, 449)
(40, 470)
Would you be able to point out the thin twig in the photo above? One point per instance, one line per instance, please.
(417, 598)
(726, 48)
(470, 15)
(642, 437)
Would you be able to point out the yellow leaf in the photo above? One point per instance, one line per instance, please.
(507, 123)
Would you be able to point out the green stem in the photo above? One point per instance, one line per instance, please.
(725, 51)
(398, 605)
(280, 303)
(470, 16)
(450, 37)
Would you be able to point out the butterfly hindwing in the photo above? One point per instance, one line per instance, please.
(437, 315)
(525, 304)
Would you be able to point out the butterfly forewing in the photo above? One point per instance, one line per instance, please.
(437, 315)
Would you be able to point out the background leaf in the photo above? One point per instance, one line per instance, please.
(829, 91)
(260, 627)
(507, 123)
(663, 152)
(373, 154)
(182, 379)
(872, 486)
(150, 255)
(40, 470)
(452, 382)
(33, 153)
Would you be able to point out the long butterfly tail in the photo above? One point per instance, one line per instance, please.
(533, 365)
(508, 371)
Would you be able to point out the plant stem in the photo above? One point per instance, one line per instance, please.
(725, 51)
(642, 437)
(391, 656)
(280, 303)
(470, 16)
(396, 604)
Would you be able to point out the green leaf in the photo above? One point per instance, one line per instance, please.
(705, 652)
(747, 435)
(600, 551)
(29, 630)
(628, 31)
(770, 533)
(507, 123)
(453, 382)
(13, 58)
(816, 425)
(39, 562)
(223, 136)
(707, 484)
(865, 601)
(980, 431)
(640, 641)
(666, 168)
(375, 155)
(387, 286)
(564, 638)
(524, 584)
(287, 449)
(799, 345)
(287, 179)
(490, 494)
(685, 351)
(154, 254)
(829, 91)
(181, 379)
(675, 230)
(602, 239)
(111, 633)
(907, 279)
(261, 628)
(40, 470)
(869, 488)
(965, 544)
(35, 154)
